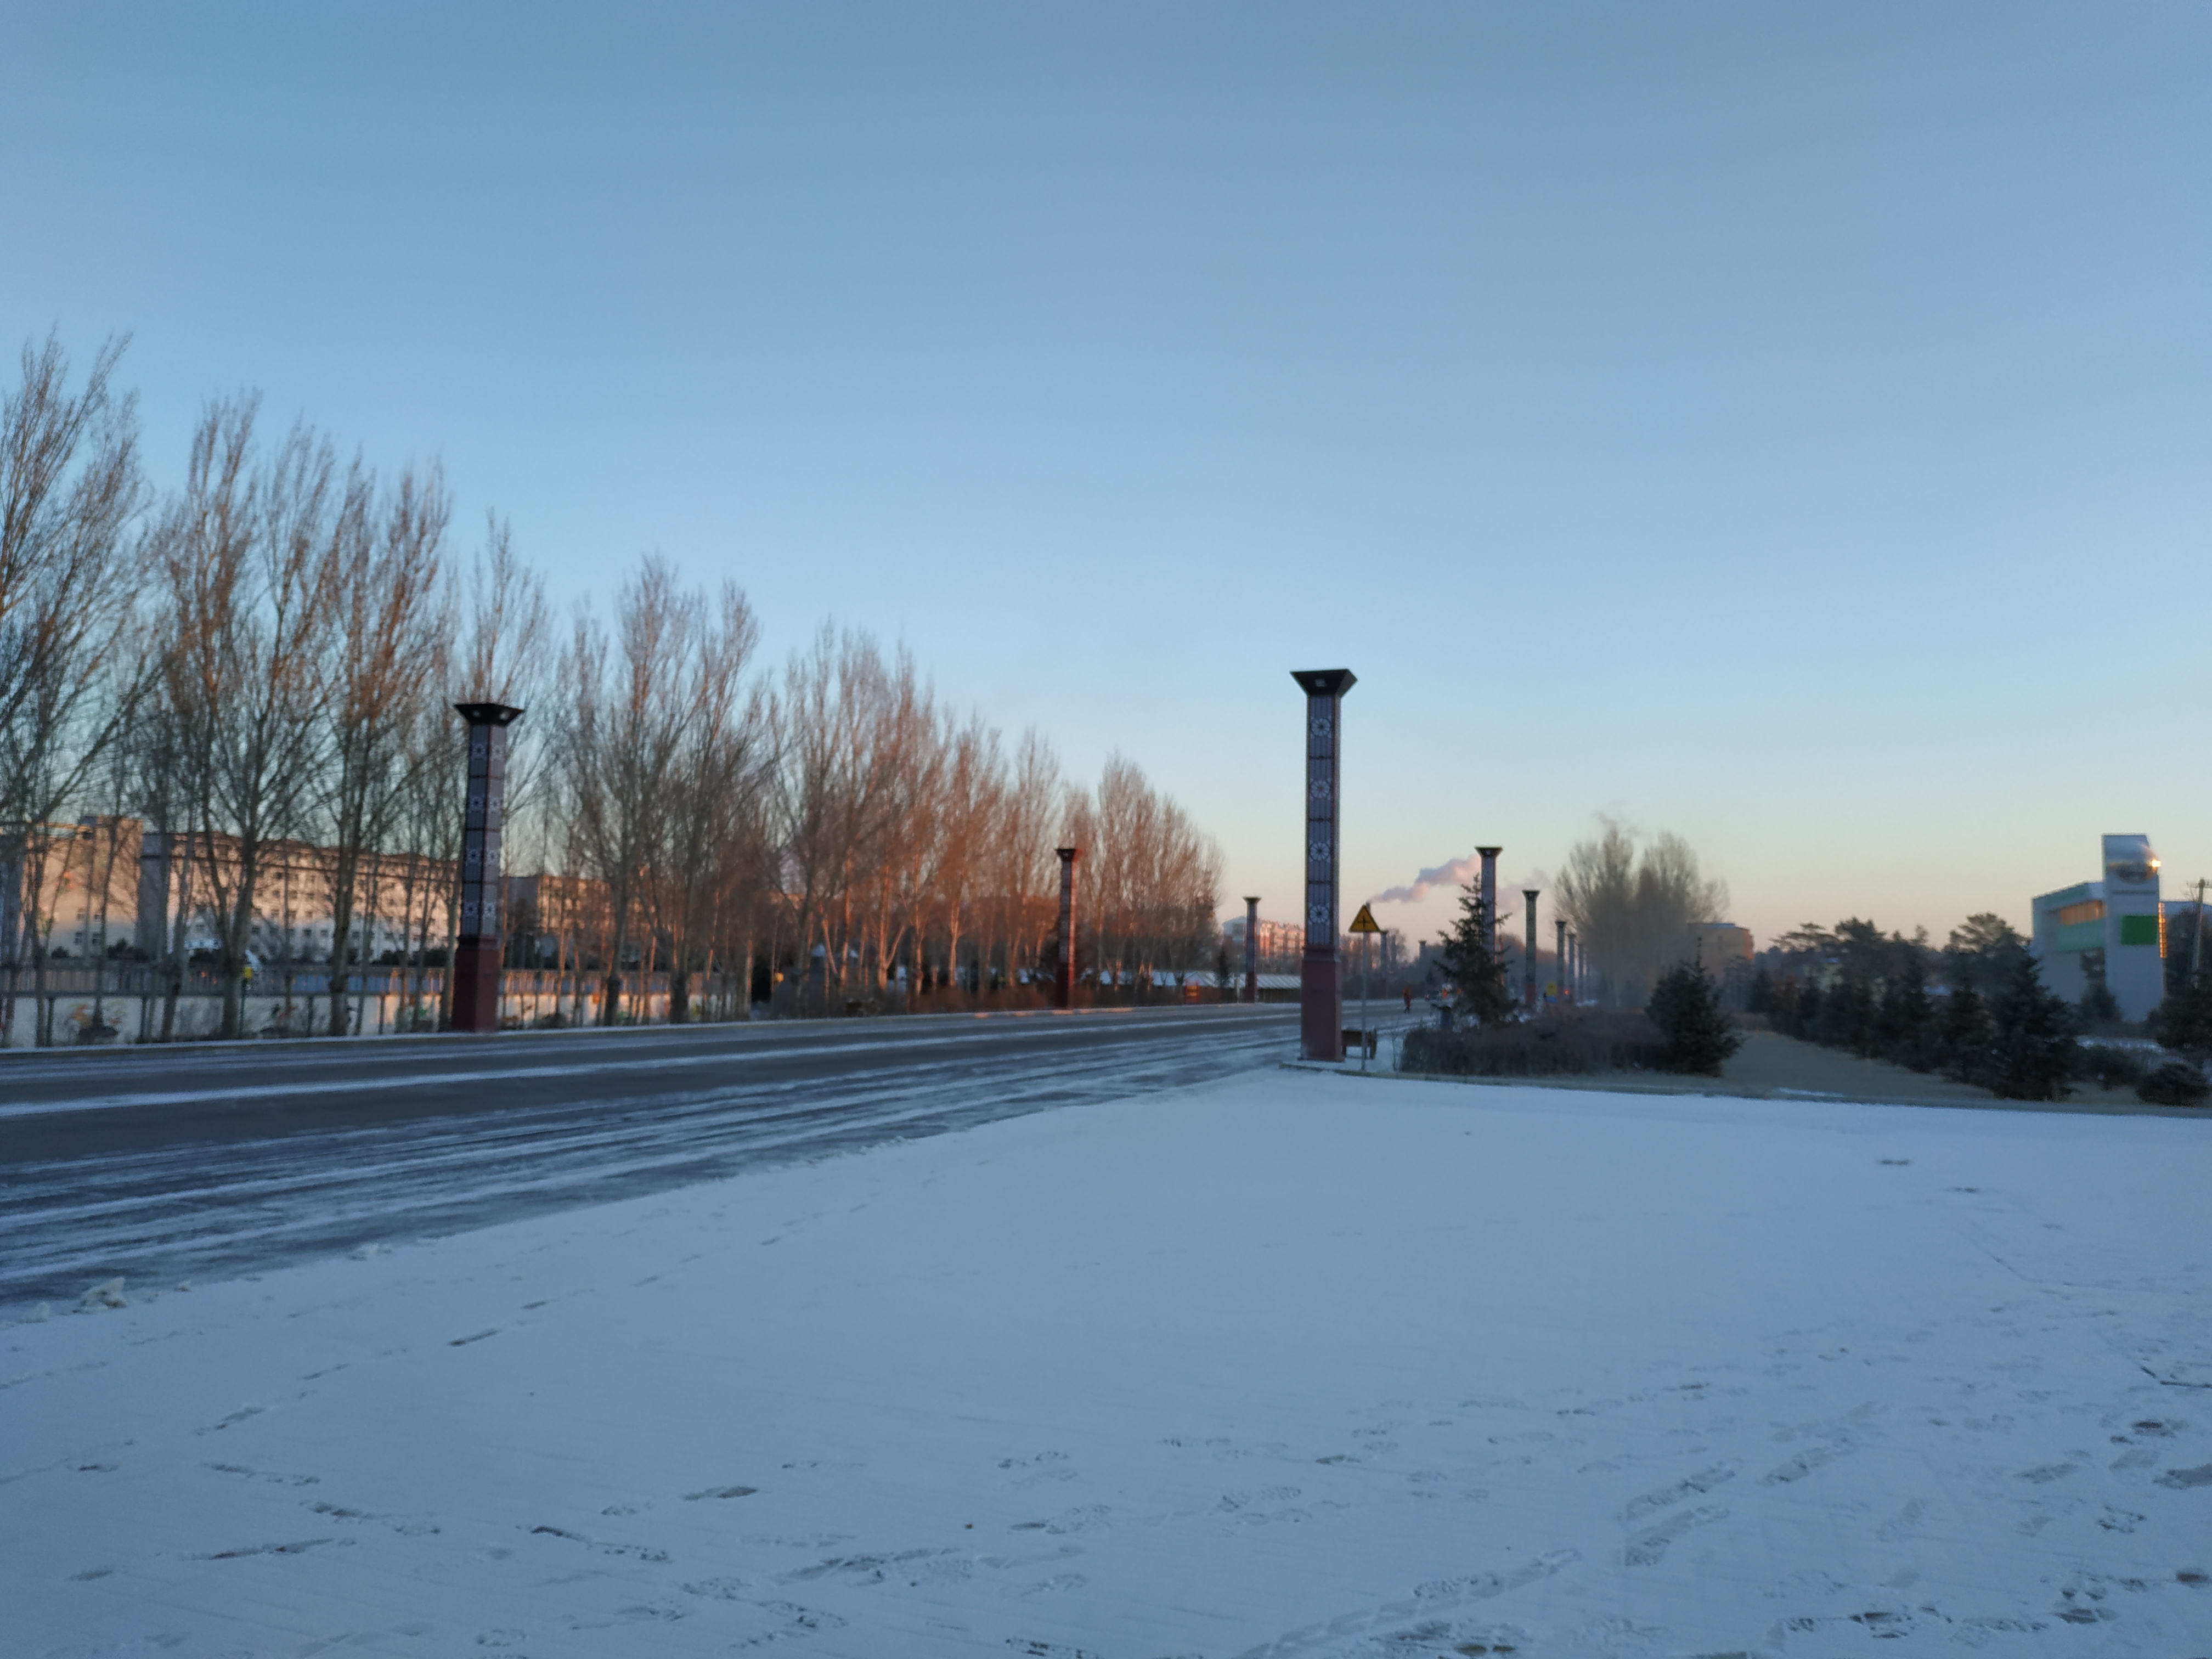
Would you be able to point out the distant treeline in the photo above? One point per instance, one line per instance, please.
(1994, 1023)
(270, 652)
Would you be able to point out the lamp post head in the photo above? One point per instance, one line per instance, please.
(1325, 682)
(488, 713)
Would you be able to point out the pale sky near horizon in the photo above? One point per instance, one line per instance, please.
(1788, 426)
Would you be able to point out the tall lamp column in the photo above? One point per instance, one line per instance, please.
(1321, 987)
(1528, 965)
(1251, 949)
(476, 967)
(1063, 978)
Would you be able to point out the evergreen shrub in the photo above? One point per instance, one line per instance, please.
(1573, 1043)
(2177, 1083)
(1686, 1006)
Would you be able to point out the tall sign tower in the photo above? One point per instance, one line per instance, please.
(1063, 977)
(1321, 988)
(476, 947)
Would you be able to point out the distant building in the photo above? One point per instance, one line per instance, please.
(188, 884)
(1282, 944)
(69, 889)
(1721, 948)
(559, 919)
(2116, 924)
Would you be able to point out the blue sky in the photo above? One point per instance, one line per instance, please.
(1788, 426)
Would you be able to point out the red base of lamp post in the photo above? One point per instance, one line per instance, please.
(1321, 1012)
(476, 985)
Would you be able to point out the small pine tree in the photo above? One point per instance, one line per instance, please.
(1962, 1035)
(1808, 1018)
(1901, 1022)
(1686, 1006)
(1484, 994)
(2177, 1083)
(1760, 1000)
(1846, 1017)
(2032, 1052)
(2184, 1020)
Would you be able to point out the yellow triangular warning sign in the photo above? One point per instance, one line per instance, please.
(1365, 922)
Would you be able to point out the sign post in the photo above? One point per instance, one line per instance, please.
(1365, 924)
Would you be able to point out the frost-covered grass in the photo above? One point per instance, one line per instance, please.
(1294, 1365)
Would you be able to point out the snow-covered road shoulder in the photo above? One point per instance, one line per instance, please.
(1286, 1366)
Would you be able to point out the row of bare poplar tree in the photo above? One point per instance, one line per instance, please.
(268, 654)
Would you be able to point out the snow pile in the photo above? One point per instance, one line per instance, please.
(1291, 1365)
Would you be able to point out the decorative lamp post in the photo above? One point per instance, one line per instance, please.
(1490, 900)
(1251, 949)
(1063, 978)
(1321, 988)
(1529, 967)
(476, 967)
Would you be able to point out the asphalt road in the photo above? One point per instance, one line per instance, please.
(211, 1160)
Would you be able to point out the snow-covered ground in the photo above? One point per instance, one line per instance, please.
(1291, 1364)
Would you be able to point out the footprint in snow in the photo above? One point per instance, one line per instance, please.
(1803, 1464)
(1052, 1586)
(300, 1547)
(1648, 1548)
(1905, 1522)
(1688, 1486)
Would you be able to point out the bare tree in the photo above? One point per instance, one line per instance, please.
(1022, 849)
(71, 670)
(385, 600)
(622, 741)
(833, 697)
(69, 488)
(248, 548)
(718, 776)
(974, 787)
(1633, 909)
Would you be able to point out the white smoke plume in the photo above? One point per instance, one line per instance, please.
(1457, 873)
